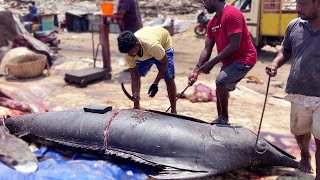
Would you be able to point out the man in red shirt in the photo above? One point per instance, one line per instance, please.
(228, 30)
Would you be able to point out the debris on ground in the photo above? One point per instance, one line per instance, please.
(201, 93)
(253, 79)
(150, 8)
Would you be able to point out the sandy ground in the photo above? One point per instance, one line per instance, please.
(246, 101)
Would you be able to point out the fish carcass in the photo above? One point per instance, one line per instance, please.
(183, 147)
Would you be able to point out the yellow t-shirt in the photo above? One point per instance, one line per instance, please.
(154, 41)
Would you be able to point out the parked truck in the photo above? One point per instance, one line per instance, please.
(267, 20)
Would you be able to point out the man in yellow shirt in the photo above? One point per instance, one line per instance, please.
(148, 46)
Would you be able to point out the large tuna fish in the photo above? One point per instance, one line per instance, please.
(182, 146)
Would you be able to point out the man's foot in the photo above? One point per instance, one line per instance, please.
(305, 164)
(221, 120)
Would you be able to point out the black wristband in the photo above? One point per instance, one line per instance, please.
(198, 66)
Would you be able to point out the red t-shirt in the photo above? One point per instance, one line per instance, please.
(230, 22)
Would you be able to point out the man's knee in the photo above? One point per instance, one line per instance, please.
(316, 132)
(221, 79)
(221, 86)
(169, 79)
(300, 119)
(316, 123)
(224, 85)
(317, 142)
(169, 74)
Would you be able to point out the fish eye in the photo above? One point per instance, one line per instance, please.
(14, 162)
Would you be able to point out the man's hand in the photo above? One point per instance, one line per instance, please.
(192, 78)
(136, 98)
(153, 90)
(136, 101)
(136, 105)
(206, 68)
(271, 70)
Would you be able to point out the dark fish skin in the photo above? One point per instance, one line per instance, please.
(155, 138)
(15, 153)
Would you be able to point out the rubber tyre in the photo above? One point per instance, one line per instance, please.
(83, 83)
(200, 31)
(67, 81)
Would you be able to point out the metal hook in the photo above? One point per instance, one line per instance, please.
(264, 106)
(261, 147)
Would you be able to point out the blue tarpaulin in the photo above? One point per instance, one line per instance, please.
(55, 165)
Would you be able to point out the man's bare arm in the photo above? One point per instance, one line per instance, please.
(205, 54)
(235, 41)
(135, 86)
(283, 56)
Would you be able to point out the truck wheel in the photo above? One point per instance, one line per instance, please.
(67, 81)
(200, 31)
(260, 46)
(107, 76)
(83, 83)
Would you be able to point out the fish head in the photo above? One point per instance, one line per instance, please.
(267, 154)
(15, 153)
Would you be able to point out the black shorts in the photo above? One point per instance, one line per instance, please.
(230, 75)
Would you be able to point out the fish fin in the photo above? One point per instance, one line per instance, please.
(180, 174)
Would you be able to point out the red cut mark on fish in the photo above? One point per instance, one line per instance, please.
(106, 130)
